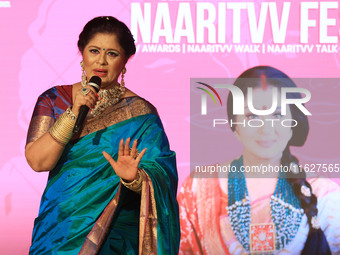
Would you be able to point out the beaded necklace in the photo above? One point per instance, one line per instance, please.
(286, 211)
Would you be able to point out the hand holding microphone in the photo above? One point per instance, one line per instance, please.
(89, 99)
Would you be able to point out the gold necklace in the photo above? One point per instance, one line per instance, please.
(108, 97)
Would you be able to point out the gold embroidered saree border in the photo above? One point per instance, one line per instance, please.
(96, 236)
(147, 222)
(147, 218)
(125, 109)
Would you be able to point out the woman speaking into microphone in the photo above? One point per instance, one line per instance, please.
(112, 183)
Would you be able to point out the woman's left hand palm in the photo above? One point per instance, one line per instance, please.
(126, 166)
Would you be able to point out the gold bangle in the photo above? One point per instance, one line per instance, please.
(136, 184)
(62, 130)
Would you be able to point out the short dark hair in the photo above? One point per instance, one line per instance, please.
(109, 25)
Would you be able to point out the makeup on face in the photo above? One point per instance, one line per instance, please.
(269, 139)
(104, 57)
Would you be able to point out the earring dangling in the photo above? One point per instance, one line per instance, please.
(122, 82)
(83, 75)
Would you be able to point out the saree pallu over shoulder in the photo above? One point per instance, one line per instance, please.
(83, 192)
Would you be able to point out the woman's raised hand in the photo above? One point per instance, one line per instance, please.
(126, 166)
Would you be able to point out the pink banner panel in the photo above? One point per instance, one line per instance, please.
(176, 41)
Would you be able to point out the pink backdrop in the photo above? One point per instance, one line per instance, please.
(38, 50)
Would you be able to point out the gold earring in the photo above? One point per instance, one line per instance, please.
(83, 75)
(122, 82)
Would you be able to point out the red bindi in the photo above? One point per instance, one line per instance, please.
(264, 85)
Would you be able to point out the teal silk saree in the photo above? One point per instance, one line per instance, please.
(85, 209)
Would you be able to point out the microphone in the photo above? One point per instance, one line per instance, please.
(95, 82)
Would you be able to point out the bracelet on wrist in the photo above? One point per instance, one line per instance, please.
(62, 130)
(136, 184)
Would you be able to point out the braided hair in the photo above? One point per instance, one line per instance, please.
(316, 241)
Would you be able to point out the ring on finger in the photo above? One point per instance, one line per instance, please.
(85, 91)
(135, 154)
